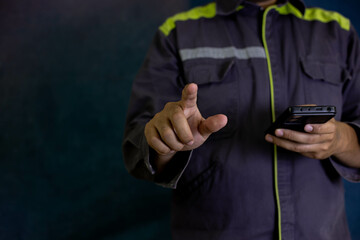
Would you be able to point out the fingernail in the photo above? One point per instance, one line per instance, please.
(190, 143)
(309, 128)
(279, 133)
(269, 138)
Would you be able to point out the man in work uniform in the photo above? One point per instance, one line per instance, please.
(214, 79)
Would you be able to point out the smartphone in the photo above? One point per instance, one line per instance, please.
(296, 117)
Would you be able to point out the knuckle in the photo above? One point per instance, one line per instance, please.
(176, 114)
(169, 106)
(178, 147)
(287, 134)
(187, 138)
(167, 133)
(331, 137)
(162, 128)
(157, 117)
(324, 148)
(296, 148)
(152, 141)
(291, 135)
(321, 128)
(318, 156)
(310, 140)
(162, 151)
(321, 155)
(313, 139)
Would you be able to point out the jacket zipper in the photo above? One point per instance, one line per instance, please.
(273, 117)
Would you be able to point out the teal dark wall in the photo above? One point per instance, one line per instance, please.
(66, 69)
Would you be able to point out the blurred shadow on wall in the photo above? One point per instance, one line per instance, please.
(65, 75)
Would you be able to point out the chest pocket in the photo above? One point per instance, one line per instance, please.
(324, 82)
(217, 91)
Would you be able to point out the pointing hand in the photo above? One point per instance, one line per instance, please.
(180, 126)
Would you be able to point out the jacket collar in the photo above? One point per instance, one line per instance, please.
(226, 7)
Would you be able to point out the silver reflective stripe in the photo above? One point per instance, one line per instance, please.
(221, 53)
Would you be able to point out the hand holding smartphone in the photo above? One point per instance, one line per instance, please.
(296, 117)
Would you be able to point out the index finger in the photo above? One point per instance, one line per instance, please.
(189, 96)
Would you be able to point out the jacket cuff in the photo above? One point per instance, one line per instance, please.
(356, 126)
(172, 172)
(350, 174)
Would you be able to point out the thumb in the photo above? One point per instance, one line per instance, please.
(189, 96)
(212, 124)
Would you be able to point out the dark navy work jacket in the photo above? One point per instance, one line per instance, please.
(249, 64)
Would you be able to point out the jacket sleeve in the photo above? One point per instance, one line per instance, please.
(159, 81)
(351, 101)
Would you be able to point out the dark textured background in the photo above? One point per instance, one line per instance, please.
(66, 69)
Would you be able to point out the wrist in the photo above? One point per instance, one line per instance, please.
(342, 133)
(159, 161)
(347, 149)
